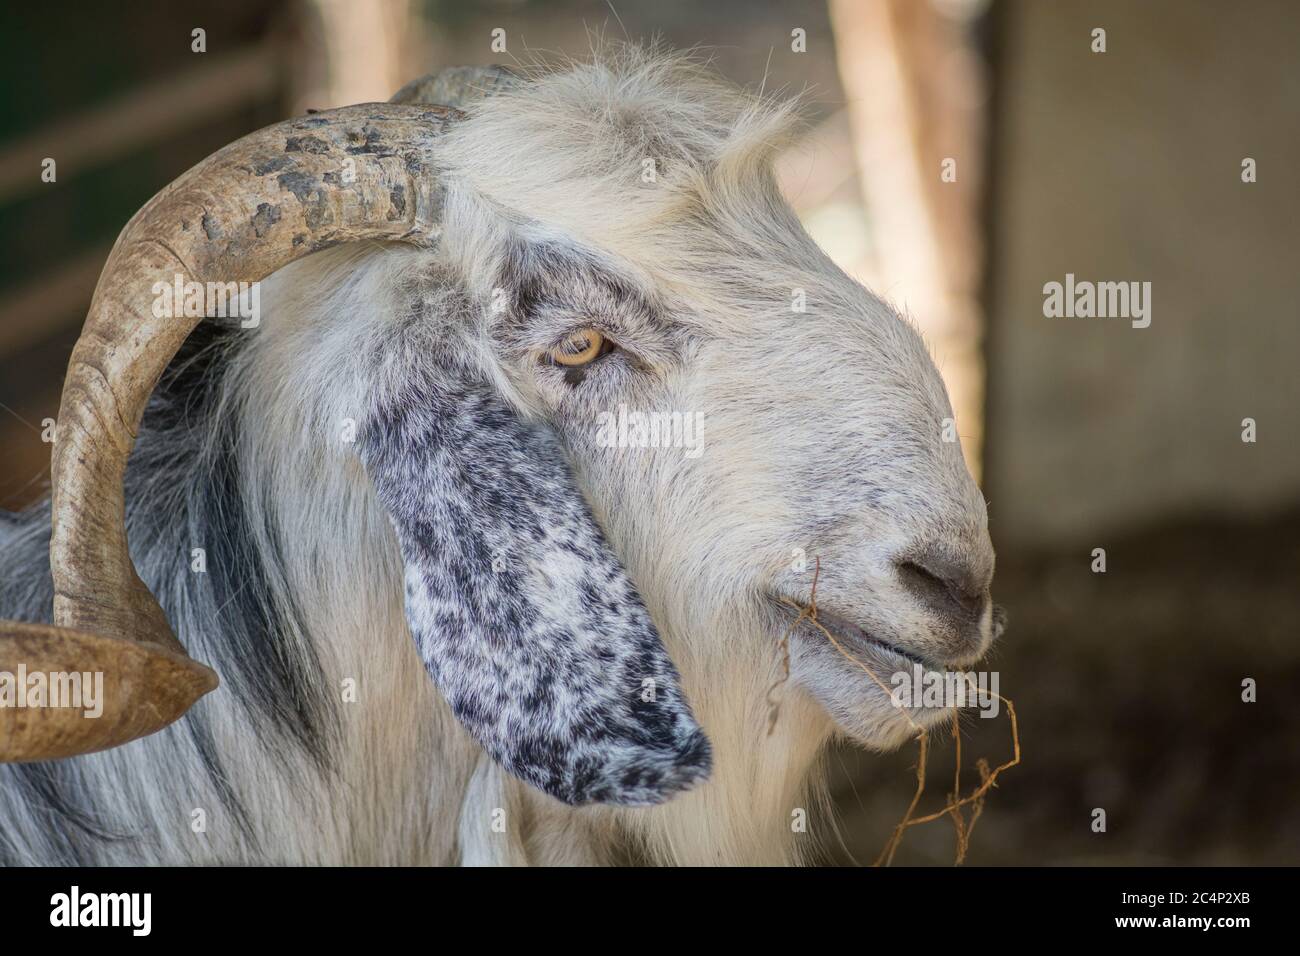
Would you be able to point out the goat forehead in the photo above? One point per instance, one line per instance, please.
(664, 171)
(640, 135)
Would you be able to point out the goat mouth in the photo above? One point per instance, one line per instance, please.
(856, 640)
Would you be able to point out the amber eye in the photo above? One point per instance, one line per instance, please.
(580, 348)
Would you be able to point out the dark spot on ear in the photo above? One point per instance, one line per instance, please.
(543, 659)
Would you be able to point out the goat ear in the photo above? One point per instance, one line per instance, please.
(524, 617)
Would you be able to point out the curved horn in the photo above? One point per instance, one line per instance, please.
(458, 86)
(357, 173)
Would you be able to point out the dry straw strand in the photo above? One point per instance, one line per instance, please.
(955, 802)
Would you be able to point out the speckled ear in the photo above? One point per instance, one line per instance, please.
(524, 617)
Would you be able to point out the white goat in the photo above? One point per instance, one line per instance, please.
(611, 236)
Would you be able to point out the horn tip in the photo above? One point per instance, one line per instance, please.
(66, 692)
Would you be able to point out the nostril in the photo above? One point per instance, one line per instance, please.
(944, 581)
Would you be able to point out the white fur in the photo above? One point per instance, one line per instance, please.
(822, 433)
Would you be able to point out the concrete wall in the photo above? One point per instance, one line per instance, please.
(1126, 165)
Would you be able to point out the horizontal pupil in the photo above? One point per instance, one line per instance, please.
(576, 346)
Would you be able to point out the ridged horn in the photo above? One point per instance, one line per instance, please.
(358, 173)
(458, 86)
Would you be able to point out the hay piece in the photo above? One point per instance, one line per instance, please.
(955, 802)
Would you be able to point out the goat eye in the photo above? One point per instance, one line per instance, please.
(580, 348)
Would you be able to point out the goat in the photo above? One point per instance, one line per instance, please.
(399, 471)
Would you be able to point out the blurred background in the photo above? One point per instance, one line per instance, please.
(960, 154)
